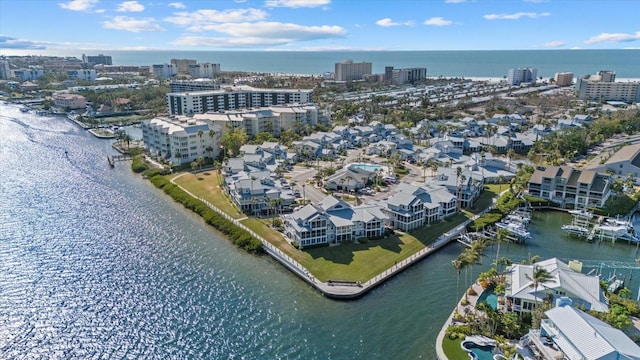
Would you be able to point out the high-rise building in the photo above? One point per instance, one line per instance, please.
(403, 76)
(518, 76)
(28, 74)
(602, 87)
(204, 70)
(349, 71)
(563, 79)
(178, 86)
(82, 74)
(5, 70)
(233, 97)
(96, 59)
(182, 65)
(164, 71)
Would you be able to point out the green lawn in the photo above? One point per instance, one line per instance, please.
(453, 350)
(207, 186)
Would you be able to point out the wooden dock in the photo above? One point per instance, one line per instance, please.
(111, 159)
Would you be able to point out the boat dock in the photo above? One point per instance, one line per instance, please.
(589, 227)
(111, 159)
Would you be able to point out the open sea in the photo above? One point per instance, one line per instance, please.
(494, 63)
(96, 263)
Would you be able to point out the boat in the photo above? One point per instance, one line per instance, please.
(583, 213)
(576, 230)
(514, 228)
(518, 219)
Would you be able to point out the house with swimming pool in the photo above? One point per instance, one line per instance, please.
(522, 294)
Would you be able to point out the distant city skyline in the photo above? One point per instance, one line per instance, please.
(35, 26)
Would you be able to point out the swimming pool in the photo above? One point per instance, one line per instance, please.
(367, 167)
(480, 352)
(489, 297)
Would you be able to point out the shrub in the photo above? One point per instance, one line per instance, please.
(471, 292)
(138, 164)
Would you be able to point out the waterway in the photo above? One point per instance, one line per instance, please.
(96, 263)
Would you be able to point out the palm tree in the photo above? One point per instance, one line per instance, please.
(540, 277)
(501, 235)
(500, 181)
(458, 264)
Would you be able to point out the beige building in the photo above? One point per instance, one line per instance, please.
(71, 101)
(563, 79)
(349, 71)
(602, 87)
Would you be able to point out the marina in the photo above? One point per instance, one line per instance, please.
(585, 225)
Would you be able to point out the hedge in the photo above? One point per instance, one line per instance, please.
(238, 236)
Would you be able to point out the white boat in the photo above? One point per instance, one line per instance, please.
(518, 219)
(514, 228)
(584, 213)
(575, 229)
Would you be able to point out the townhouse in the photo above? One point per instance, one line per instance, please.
(570, 187)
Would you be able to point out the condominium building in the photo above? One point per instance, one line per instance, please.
(272, 119)
(179, 86)
(5, 70)
(563, 79)
(349, 71)
(205, 70)
(181, 140)
(70, 101)
(28, 74)
(414, 206)
(403, 76)
(333, 221)
(602, 87)
(233, 97)
(518, 76)
(82, 74)
(570, 187)
(182, 65)
(97, 59)
(164, 71)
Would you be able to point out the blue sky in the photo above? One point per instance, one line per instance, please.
(307, 25)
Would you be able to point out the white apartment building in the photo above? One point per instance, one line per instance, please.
(204, 70)
(82, 74)
(563, 79)
(181, 140)
(273, 119)
(164, 71)
(349, 71)
(602, 87)
(518, 76)
(28, 74)
(232, 98)
(5, 70)
(71, 101)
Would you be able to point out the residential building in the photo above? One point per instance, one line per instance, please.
(333, 221)
(28, 74)
(182, 65)
(402, 76)
(348, 179)
(205, 70)
(518, 76)
(232, 98)
(522, 294)
(624, 162)
(164, 71)
(570, 187)
(201, 84)
(272, 119)
(466, 186)
(181, 140)
(563, 79)
(91, 60)
(5, 70)
(411, 206)
(602, 87)
(122, 70)
(69, 101)
(350, 71)
(579, 335)
(82, 74)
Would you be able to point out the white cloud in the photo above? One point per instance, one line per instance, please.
(8, 42)
(100, 11)
(178, 5)
(79, 5)
(130, 6)
(387, 22)
(199, 20)
(454, 1)
(515, 16)
(296, 3)
(535, 1)
(260, 34)
(613, 37)
(132, 24)
(554, 44)
(438, 21)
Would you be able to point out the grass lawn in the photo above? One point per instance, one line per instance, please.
(496, 188)
(453, 350)
(207, 186)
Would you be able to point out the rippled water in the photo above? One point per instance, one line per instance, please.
(96, 263)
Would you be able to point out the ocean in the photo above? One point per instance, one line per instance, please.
(96, 263)
(494, 64)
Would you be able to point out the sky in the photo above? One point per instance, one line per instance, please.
(30, 26)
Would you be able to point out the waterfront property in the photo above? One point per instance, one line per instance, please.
(570, 187)
(334, 221)
(625, 161)
(414, 206)
(181, 140)
(577, 335)
(522, 293)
